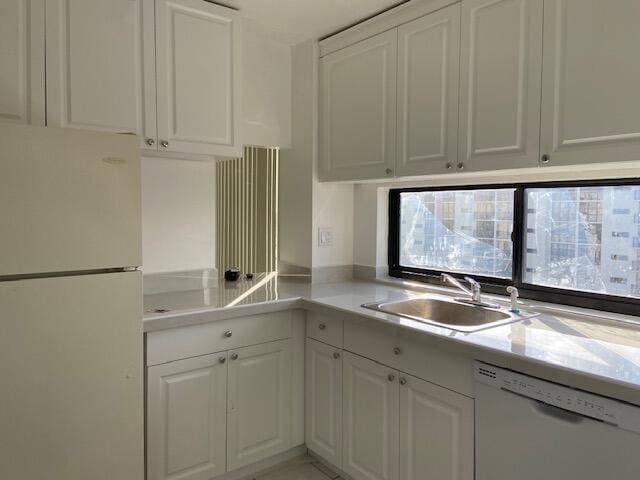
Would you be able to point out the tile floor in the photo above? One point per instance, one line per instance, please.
(300, 468)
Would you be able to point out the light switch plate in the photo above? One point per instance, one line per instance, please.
(325, 236)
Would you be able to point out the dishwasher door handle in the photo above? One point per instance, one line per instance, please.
(557, 413)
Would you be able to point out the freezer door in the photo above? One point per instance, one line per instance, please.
(519, 438)
(69, 200)
(71, 378)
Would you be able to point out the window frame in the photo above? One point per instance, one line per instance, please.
(576, 298)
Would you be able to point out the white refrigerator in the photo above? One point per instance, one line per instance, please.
(71, 377)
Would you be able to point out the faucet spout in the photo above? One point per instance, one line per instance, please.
(446, 278)
(475, 290)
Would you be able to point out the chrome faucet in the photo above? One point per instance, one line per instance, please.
(475, 290)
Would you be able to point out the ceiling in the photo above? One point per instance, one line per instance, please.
(294, 21)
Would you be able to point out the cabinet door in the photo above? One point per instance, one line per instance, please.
(590, 101)
(358, 110)
(323, 398)
(370, 417)
(428, 71)
(100, 65)
(186, 418)
(501, 62)
(198, 58)
(22, 85)
(436, 432)
(259, 404)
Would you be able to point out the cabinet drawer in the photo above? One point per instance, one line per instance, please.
(183, 342)
(428, 358)
(375, 340)
(325, 328)
(436, 360)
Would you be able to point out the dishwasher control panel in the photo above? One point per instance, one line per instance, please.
(583, 403)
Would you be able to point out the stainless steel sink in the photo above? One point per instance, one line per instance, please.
(449, 314)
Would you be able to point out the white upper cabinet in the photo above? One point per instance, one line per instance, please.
(100, 65)
(501, 62)
(259, 403)
(590, 101)
(428, 71)
(370, 417)
(186, 418)
(323, 398)
(22, 87)
(198, 77)
(168, 71)
(436, 432)
(358, 110)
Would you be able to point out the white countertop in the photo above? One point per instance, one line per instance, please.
(573, 340)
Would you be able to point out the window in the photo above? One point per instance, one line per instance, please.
(575, 228)
(576, 243)
(464, 231)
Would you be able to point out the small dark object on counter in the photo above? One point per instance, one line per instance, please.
(249, 276)
(232, 274)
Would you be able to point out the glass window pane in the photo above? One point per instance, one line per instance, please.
(584, 238)
(463, 231)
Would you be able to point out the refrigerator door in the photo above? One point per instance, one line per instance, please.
(69, 200)
(71, 406)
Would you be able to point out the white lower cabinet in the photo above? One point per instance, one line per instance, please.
(186, 418)
(370, 403)
(323, 400)
(436, 432)
(215, 413)
(393, 426)
(259, 403)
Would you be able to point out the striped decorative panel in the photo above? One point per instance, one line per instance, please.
(247, 211)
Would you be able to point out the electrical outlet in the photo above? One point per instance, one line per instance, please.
(325, 236)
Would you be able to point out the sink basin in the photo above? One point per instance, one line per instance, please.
(449, 314)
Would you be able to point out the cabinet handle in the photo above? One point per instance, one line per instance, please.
(461, 166)
(448, 166)
(234, 356)
(164, 144)
(336, 355)
(150, 141)
(322, 326)
(397, 351)
(545, 158)
(222, 359)
(388, 171)
(403, 381)
(228, 333)
(391, 377)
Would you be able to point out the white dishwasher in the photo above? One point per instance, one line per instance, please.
(531, 429)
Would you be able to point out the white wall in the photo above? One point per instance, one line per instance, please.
(178, 216)
(296, 166)
(305, 204)
(333, 208)
(266, 89)
(366, 209)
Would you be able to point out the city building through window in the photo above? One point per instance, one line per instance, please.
(576, 243)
